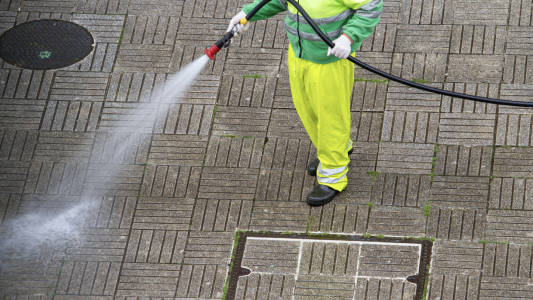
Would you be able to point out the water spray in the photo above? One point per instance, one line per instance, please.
(226, 41)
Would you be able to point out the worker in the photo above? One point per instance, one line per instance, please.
(321, 79)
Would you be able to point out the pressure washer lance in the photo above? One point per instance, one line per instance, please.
(224, 42)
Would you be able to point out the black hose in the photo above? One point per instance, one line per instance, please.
(256, 9)
(401, 80)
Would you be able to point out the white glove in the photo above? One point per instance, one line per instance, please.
(237, 21)
(342, 47)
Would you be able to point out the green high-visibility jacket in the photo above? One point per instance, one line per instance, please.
(356, 18)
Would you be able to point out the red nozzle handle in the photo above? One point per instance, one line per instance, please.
(212, 51)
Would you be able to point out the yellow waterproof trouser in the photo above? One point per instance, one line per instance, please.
(321, 94)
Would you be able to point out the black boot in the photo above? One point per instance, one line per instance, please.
(321, 195)
(313, 166)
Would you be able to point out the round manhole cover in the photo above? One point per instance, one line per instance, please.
(45, 44)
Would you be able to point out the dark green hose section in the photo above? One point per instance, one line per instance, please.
(387, 75)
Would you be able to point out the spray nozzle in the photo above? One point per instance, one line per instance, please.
(223, 43)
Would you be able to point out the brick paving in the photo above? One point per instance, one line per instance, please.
(168, 193)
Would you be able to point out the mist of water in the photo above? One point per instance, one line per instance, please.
(28, 233)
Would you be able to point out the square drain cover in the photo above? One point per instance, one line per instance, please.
(298, 266)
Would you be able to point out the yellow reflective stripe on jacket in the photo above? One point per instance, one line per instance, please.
(323, 21)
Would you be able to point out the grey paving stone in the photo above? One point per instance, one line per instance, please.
(271, 256)
(234, 152)
(100, 244)
(466, 12)
(149, 29)
(329, 259)
(177, 150)
(266, 286)
(378, 60)
(189, 33)
(285, 123)
(323, 287)
(241, 121)
(101, 6)
(405, 158)
(509, 226)
(156, 246)
(170, 181)
(134, 87)
(82, 86)
(475, 68)
(201, 281)
(128, 117)
(420, 66)
(517, 69)
(104, 28)
(14, 277)
(248, 91)
(368, 95)
(17, 145)
(457, 258)
(395, 289)
(21, 114)
(463, 192)
(228, 183)
(467, 129)
(48, 6)
(400, 190)
(282, 95)
(512, 162)
(513, 130)
(100, 60)
(339, 218)
(110, 212)
(511, 193)
(269, 34)
(70, 115)
(283, 185)
(359, 188)
(184, 119)
(88, 278)
(163, 213)
(221, 215)
(7, 19)
(25, 84)
(121, 180)
(208, 248)
(507, 260)
(396, 221)
(155, 7)
(9, 205)
(388, 261)
(366, 126)
(515, 92)
(456, 224)
(148, 279)
(520, 13)
(403, 98)
(45, 206)
(279, 216)
(504, 287)
(144, 58)
(120, 148)
(463, 161)
(287, 154)
(63, 147)
(478, 39)
(519, 41)
(382, 38)
(56, 178)
(456, 105)
(409, 127)
(390, 12)
(13, 175)
(457, 286)
(186, 54)
(266, 61)
(423, 38)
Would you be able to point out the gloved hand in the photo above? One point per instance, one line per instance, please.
(342, 47)
(236, 21)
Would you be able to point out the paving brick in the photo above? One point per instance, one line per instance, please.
(456, 224)
(48, 6)
(366, 126)
(163, 213)
(511, 193)
(478, 39)
(25, 84)
(509, 226)
(266, 61)
(221, 215)
(512, 162)
(457, 258)
(13, 175)
(519, 41)
(378, 60)
(339, 218)
(520, 13)
(120, 148)
(507, 260)
(405, 158)
(403, 98)
(504, 288)
(390, 12)
(262, 285)
(111, 179)
(55, 178)
(146, 279)
(155, 7)
(241, 121)
(279, 216)
(382, 38)
(247, 90)
(475, 68)
(457, 286)
(467, 12)
(456, 105)
(423, 38)
(100, 60)
(228, 183)
(467, 129)
(269, 34)
(285, 123)
(388, 261)
(63, 147)
(464, 192)
(517, 69)
(515, 92)
(14, 277)
(201, 281)
(234, 152)
(150, 29)
(189, 33)
(128, 117)
(400, 190)
(330, 259)
(144, 58)
(208, 248)
(110, 212)
(420, 66)
(463, 161)
(71, 116)
(513, 130)
(368, 95)
(322, 286)
(103, 28)
(184, 119)
(170, 181)
(9, 205)
(82, 86)
(359, 188)
(282, 94)
(282, 257)
(409, 127)
(282, 185)
(396, 221)
(7, 19)
(88, 278)
(17, 145)
(100, 244)
(372, 288)
(426, 12)
(177, 150)
(183, 55)
(134, 87)
(21, 114)
(101, 6)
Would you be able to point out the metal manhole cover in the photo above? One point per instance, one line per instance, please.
(45, 44)
(328, 267)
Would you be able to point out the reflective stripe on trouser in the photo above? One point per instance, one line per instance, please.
(321, 94)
